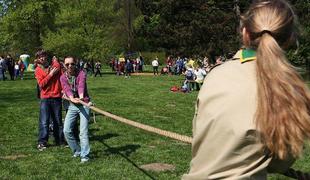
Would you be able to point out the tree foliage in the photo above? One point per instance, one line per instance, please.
(192, 27)
(84, 28)
(24, 24)
(98, 29)
(301, 55)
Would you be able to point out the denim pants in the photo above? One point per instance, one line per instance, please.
(71, 119)
(2, 74)
(50, 108)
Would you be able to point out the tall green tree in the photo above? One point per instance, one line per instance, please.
(24, 24)
(192, 27)
(86, 29)
(128, 13)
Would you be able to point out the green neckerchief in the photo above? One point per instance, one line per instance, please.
(247, 55)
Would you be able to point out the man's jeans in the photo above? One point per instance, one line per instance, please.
(50, 108)
(70, 121)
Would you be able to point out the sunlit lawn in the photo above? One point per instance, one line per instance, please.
(117, 150)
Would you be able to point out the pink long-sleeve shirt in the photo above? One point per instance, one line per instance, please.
(80, 85)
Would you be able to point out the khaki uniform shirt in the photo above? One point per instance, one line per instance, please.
(225, 140)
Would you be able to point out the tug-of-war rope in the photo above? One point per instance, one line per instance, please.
(295, 174)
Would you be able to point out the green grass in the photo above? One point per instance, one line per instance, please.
(117, 150)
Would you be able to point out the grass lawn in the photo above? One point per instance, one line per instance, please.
(117, 150)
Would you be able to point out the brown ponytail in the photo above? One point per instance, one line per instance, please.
(283, 107)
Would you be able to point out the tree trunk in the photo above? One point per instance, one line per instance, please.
(129, 25)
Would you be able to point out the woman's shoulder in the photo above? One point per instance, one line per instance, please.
(230, 78)
(233, 69)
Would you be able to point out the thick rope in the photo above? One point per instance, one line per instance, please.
(148, 128)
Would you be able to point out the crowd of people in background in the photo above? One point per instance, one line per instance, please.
(193, 69)
(126, 66)
(14, 68)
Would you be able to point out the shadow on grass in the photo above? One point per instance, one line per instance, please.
(9, 98)
(123, 151)
(103, 90)
(126, 150)
(102, 137)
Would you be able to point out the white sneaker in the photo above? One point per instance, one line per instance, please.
(84, 160)
(76, 154)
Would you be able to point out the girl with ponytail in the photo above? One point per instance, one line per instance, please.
(253, 115)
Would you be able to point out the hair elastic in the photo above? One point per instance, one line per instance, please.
(265, 31)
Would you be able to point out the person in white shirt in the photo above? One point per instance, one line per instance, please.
(16, 70)
(155, 66)
(200, 75)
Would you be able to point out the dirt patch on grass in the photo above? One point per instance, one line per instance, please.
(142, 74)
(158, 167)
(13, 157)
(162, 117)
(170, 105)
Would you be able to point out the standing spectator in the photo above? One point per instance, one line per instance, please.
(218, 60)
(97, 68)
(21, 69)
(112, 64)
(48, 78)
(205, 62)
(86, 67)
(138, 64)
(169, 62)
(118, 67)
(179, 64)
(128, 68)
(190, 77)
(155, 66)
(141, 63)
(73, 82)
(122, 66)
(134, 65)
(81, 64)
(16, 70)
(2, 68)
(200, 74)
(10, 66)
